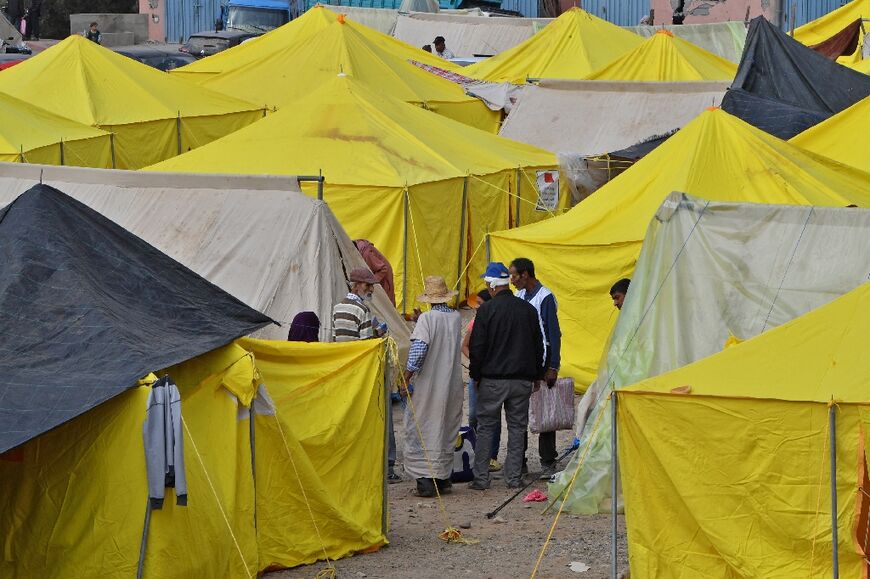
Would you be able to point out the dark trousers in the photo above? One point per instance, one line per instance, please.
(33, 26)
(546, 448)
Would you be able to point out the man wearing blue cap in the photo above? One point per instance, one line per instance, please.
(506, 357)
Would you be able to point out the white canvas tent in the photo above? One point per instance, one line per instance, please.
(711, 273)
(725, 39)
(467, 35)
(257, 238)
(581, 120)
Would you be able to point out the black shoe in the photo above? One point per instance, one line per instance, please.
(425, 488)
(392, 477)
(478, 486)
(445, 485)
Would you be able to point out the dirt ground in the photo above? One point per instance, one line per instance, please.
(507, 547)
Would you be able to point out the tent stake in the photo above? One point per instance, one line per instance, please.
(832, 425)
(614, 461)
(141, 566)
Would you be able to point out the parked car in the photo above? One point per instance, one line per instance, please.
(206, 43)
(159, 56)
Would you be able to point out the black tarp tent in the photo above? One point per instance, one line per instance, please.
(781, 85)
(87, 309)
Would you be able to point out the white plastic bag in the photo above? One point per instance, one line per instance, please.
(552, 409)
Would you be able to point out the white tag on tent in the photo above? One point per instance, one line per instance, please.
(548, 191)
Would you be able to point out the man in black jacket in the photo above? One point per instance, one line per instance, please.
(506, 357)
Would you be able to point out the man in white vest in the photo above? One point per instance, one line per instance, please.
(522, 272)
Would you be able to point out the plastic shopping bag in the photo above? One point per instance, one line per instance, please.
(552, 409)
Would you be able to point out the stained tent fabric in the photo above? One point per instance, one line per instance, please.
(738, 472)
(318, 422)
(845, 137)
(580, 254)
(665, 57)
(745, 268)
(424, 189)
(89, 308)
(778, 68)
(29, 134)
(303, 56)
(152, 115)
(571, 47)
(822, 29)
(256, 237)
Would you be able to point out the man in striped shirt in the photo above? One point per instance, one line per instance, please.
(351, 317)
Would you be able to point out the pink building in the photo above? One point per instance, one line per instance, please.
(156, 11)
(702, 11)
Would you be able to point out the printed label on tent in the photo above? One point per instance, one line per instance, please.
(548, 191)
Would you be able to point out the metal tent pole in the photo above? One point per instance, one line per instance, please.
(61, 153)
(832, 426)
(387, 409)
(112, 147)
(519, 199)
(405, 257)
(141, 567)
(251, 415)
(462, 236)
(614, 461)
(178, 131)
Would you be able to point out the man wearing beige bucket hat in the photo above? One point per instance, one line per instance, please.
(435, 371)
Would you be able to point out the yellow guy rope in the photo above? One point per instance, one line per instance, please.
(216, 497)
(819, 495)
(329, 572)
(570, 486)
(521, 198)
(449, 534)
(467, 265)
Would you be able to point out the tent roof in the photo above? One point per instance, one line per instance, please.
(775, 117)
(777, 67)
(666, 58)
(307, 53)
(724, 39)
(821, 29)
(862, 66)
(88, 308)
(25, 126)
(255, 236)
(81, 80)
(845, 137)
(358, 137)
(597, 117)
(816, 357)
(716, 157)
(571, 47)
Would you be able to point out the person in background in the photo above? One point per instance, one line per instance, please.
(523, 278)
(441, 48)
(15, 11)
(507, 353)
(494, 466)
(427, 47)
(304, 328)
(379, 265)
(618, 292)
(435, 415)
(93, 34)
(352, 321)
(32, 16)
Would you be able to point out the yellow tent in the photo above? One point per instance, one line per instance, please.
(666, 58)
(152, 115)
(29, 134)
(736, 479)
(579, 255)
(73, 500)
(300, 57)
(843, 137)
(861, 66)
(833, 22)
(424, 189)
(572, 46)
